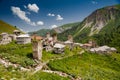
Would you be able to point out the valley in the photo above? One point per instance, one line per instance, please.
(86, 50)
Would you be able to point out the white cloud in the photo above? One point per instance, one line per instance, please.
(33, 7)
(21, 14)
(59, 17)
(40, 23)
(94, 2)
(54, 26)
(50, 14)
(33, 23)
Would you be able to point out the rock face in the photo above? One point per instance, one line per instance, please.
(99, 18)
(65, 27)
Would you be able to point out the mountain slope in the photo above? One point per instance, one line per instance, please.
(60, 29)
(5, 27)
(65, 27)
(103, 25)
(41, 32)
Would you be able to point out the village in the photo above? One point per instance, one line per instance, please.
(51, 43)
(60, 40)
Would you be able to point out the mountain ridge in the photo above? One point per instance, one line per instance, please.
(103, 26)
(58, 30)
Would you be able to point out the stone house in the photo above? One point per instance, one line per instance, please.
(59, 48)
(48, 35)
(89, 45)
(36, 37)
(103, 49)
(48, 42)
(69, 42)
(55, 40)
(23, 39)
(70, 38)
(16, 32)
(13, 37)
(5, 38)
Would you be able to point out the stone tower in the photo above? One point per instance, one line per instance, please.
(55, 38)
(37, 50)
(93, 43)
(48, 35)
(70, 38)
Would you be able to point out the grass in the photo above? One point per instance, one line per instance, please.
(50, 55)
(22, 54)
(5, 27)
(18, 54)
(47, 76)
(11, 73)
(90, 66)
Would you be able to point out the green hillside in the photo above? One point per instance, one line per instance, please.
(12, 73)
(41, 32)
(60, 29)
(89, 66)
(5, 27)
(109, 35)
(70, 25)
(103, 26)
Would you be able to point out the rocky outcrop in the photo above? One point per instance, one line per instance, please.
(100, 18)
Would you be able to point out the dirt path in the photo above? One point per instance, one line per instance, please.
(59, 73)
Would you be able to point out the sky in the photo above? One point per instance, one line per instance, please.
(32, 15)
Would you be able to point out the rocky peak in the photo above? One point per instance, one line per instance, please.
(99, 18)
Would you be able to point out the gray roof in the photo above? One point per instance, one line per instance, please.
(57, 45)
(23, 35)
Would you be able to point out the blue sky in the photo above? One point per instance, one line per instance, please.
(31, 15)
